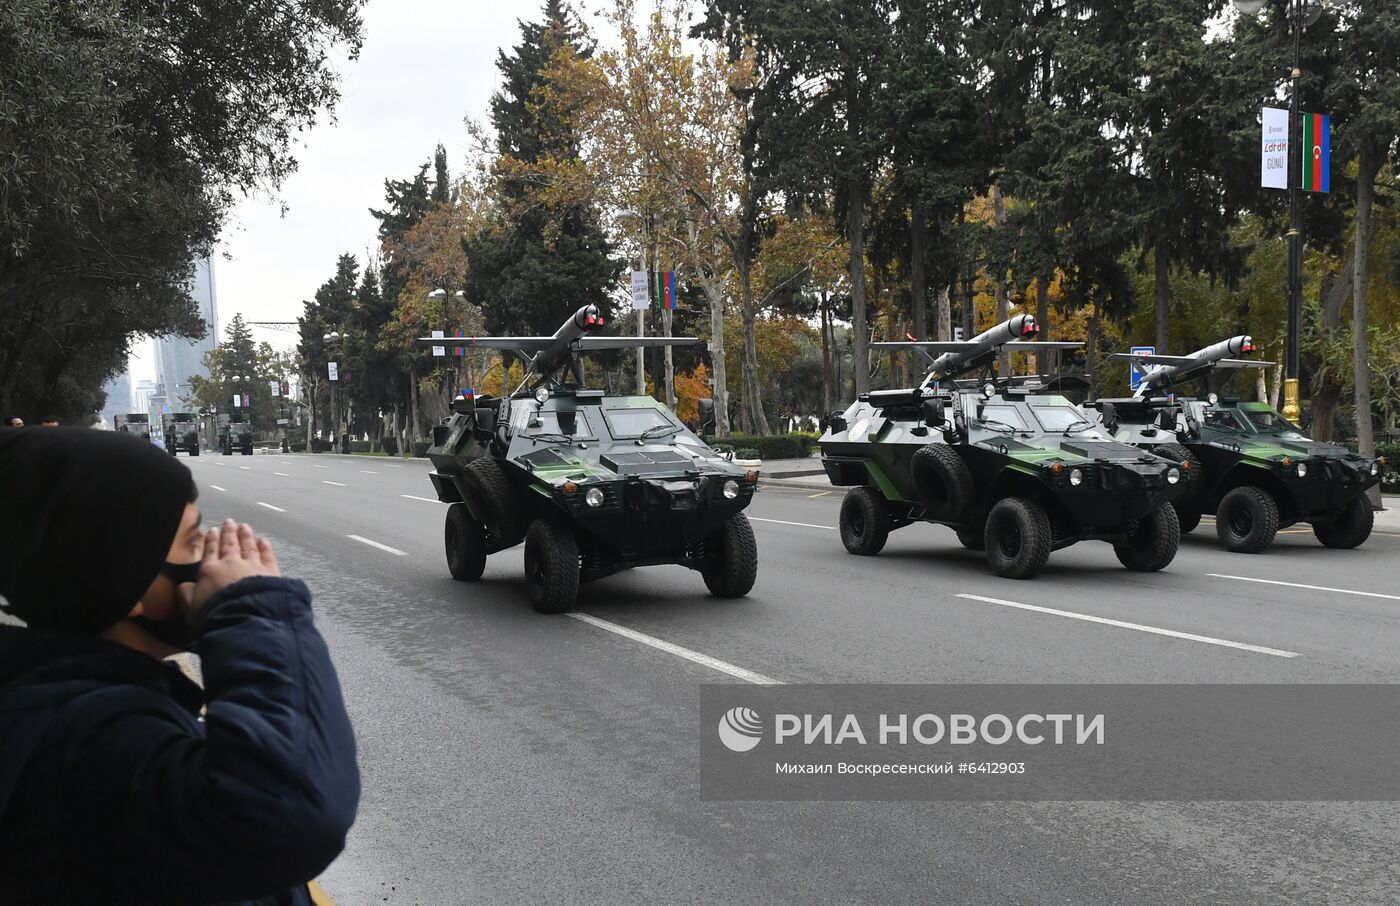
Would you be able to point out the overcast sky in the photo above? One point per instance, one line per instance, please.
(425, 65)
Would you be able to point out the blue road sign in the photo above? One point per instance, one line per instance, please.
(1135, 374)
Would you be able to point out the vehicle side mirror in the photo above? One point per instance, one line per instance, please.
(1110, 417)
(440, 433)
(706, 409)
(981, 409)
(1166, 420)
(933, 413)
(837, 423)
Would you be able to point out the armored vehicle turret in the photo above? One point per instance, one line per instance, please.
(1015, 469)
(1251, 468)
(591, 482)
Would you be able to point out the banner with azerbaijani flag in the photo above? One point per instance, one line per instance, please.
(1317, 151)
(666, 290)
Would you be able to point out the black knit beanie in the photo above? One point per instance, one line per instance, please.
(86, 519)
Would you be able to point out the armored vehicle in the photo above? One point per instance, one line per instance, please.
(592, 483)
(236, 437)
(181, 430)
(1016, 471)
(135, 423)
(1250, 467)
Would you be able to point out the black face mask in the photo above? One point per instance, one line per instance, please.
(177, 632)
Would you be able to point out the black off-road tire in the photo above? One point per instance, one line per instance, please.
(1348, 529)
(465, 540)
(1018, 538)
(731, 559)
(1193, 477)
(974, 539)
(494, 500)
(1247, 520)
(1153, 543)
(942, 482)
(1187, 516)
(551, 566)
(195, 451)
(864, 521)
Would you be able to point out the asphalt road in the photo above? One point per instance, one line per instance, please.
(515, 758)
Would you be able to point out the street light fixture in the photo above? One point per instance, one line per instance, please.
(1299, 15)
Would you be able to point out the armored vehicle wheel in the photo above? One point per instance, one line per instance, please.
(1247, 520)
(864, 521)
(942, 481)
(1349, 528)
(195, 451)
(1187, 516)
(551, 566)
(1152, 544)
(731, 559)
(1018, 538)
(493, 499)
(465, 540)
(974, 539)
(1193, 476)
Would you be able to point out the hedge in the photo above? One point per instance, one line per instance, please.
(420, 448)
(1390, 476)
(776, 446)
(390, 444)
(299, 447)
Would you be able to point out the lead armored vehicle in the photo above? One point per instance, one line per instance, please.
(181, 430)
(137, 424)
(592, 483)
(1250, 467)
(236, 437)
(1016, 471)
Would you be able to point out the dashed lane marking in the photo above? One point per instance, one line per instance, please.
(339, 484)
(815, 496)
(830, 528)
(414, 497)
(369, 471)
(217, 488)
(283, 474)
(704, 660)
(271, 507)
(1172, 633)
(1337, 591)
(384, 547)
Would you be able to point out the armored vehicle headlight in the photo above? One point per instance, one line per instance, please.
(1212, 398)
(594, 497)
(1302, 470)
(541, 394)
(989, 390)
(731, 489)
(1173, 475)
(1076, 477)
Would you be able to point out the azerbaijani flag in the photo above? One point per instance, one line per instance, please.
(460, 350)
(666, 289)
(1317, 150)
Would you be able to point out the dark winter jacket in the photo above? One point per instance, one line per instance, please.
(114, 789)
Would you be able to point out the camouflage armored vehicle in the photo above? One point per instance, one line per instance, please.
(1015, 471)
(236, 436)
(134, 423)
(181, 430)
(1250, 467)
(592, 483)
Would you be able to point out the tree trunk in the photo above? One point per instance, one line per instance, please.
(413, 405)
(1091, 347)
(754, 418)
(1163, 293)
(944, 328)
(1327, 392)
(918, 281)
(999, 275)
(1043, 364)
(855, 229)
(827, 393)
(1368, 164)
(1277, 386)
(670, 363)
(719, 370)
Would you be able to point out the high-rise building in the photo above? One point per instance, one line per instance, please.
(145, 389)
(178, 358)
(118, 391)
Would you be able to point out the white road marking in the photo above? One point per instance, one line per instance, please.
(271, 507)
(218, 463)
(815, 496)
(283, 463)
(336, 483)
(799, 524)
(1339, 591)
(283, 474)
(369, 471)
(217, 488)
(424, 499)
(320, 467)
(1191, 637)
(245, 468)
(662, 645)
(392, 465)
(383, 547)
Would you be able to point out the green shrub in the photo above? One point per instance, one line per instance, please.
(776, 446)
(420, 448)
(1390, 473)
(319, 445)
(299, 447)
(361, 446)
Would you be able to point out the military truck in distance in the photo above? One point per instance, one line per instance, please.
(137, 424)
(236, 436)
(1250, 467)
(181, 430)
(1016, 471)
(592, 483)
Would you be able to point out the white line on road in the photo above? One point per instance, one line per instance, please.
(662, 645)
(424, 499)
(320, 467)
(218, 463)
(1339, 591)
(336, 483)
(271, 507)
(245, 468)
(799, 524)
(383, 547)
(369, 471)
(217, 488)
(1191, 637)
(283, 474)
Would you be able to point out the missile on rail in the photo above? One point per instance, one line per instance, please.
(1161, 372)
(592, 482)
(950, 358)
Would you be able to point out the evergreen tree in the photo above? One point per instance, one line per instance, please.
(544, 255)
(442, 184)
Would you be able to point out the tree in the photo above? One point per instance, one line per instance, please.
(543, 254)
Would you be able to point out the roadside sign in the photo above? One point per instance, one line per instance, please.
(332, 372)
(1273, 153)
(439, 350)
(641, 299)
(276, 388)
(1135, 374)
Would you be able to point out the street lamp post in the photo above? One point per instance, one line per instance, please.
(1299, 15)
(333, 339)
